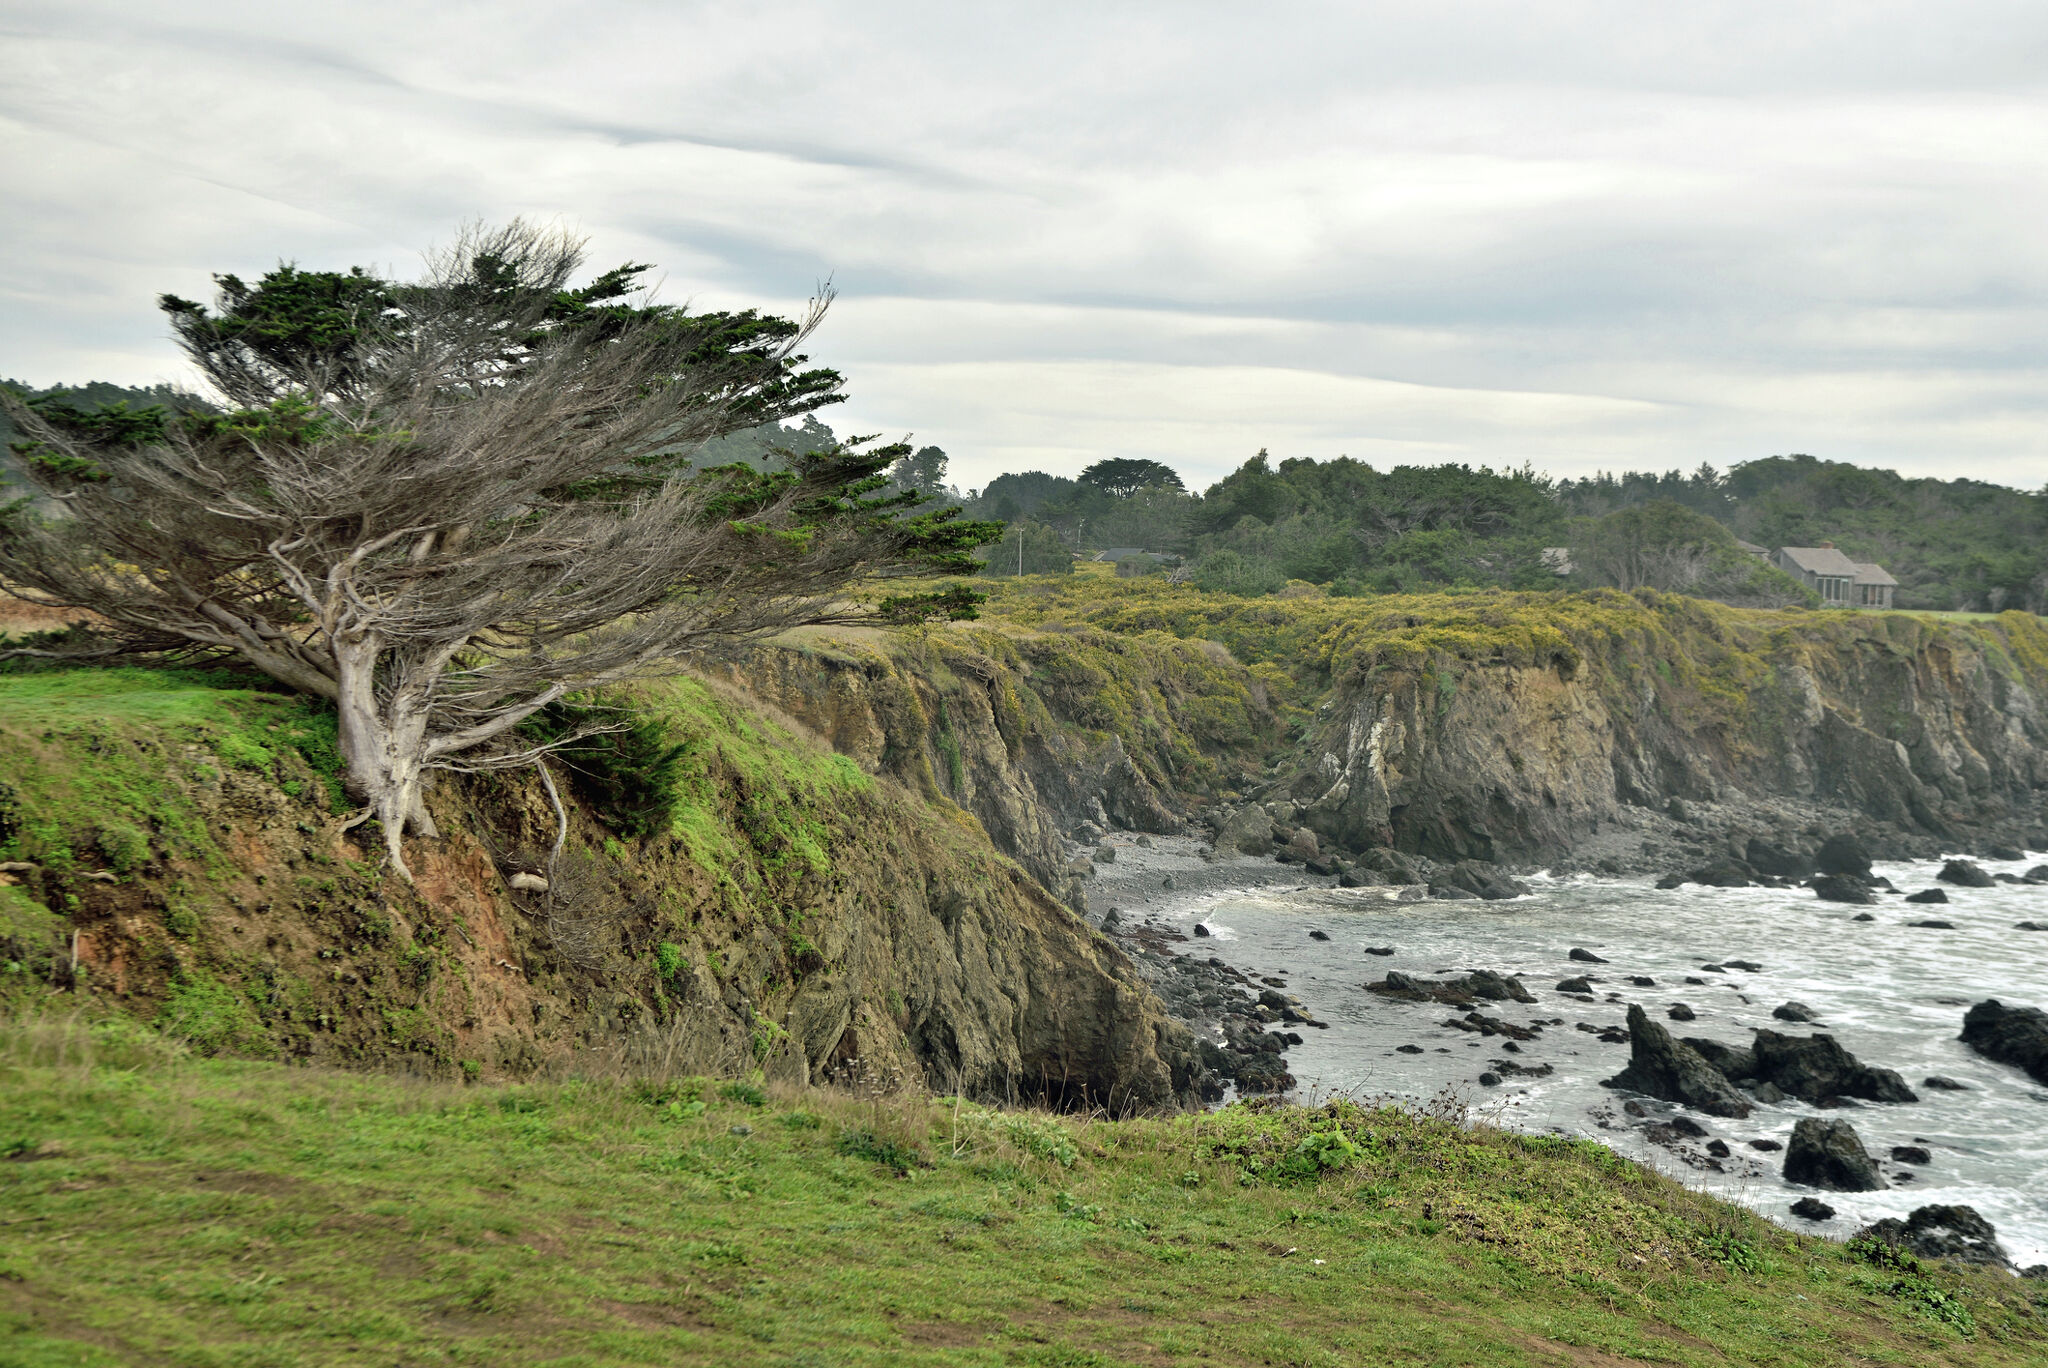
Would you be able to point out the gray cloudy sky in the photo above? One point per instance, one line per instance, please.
(1583, 234)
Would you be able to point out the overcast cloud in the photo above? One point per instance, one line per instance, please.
(1580, 234)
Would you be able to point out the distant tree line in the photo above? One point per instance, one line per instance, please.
(1952, 544)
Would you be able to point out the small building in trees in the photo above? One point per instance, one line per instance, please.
(1873, 587)
(1840, 582)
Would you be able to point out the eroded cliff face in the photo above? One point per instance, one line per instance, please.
(791, 913)
(1034, 733)
(1906, 726)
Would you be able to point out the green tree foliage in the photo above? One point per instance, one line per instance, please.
(922, 471)
(445, 504)
(1665, 545)
(1232, 572)
(1122, 476)
(1952, 544)
(1038, 549)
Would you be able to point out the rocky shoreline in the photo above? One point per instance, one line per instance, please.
(1138, 888)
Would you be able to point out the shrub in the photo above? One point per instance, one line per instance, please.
(1230, 572)
(860, 1142)
(210, 1016)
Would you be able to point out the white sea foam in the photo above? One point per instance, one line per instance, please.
(1893, 994)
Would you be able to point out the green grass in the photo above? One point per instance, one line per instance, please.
(99, 762)
(161, 1208)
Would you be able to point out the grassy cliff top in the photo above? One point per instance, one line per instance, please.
(1316, 640)
(162, 1208)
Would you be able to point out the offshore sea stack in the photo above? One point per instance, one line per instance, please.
(2011, 1035)
(1672, 1070)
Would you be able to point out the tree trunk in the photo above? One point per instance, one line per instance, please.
(383, 743)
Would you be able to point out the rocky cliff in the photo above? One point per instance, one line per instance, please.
(1528, 727)
(1036, 733)
(1472, 737)
(173, 851)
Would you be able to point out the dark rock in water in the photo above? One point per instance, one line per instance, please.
(1767, 1146)
(1769, 1094)
(1671, 881)
(1489, 1080)
(1680, 1012)
(1201, 930)
(1495, 987)
(2030, 926)
(1843, 854)
(1575, 985)
(1642, 980)
(1965, 874)
(1718, 1148)
(1668, 1069)
(2005, 852)
(1379, 949)
(1766, 857)
(1842, 888)
(1862, 916)
(1828, 1154)
(1746, 966)
(1635, 1108)
(1943, 1083)
(1685, 1125)
(1928, 895)
(1480, 983)
(1795, 1011)
(1816, 1068)
(1484, 880)
(1318, 935)
(2038, 874)
(1407, 1049)
(1452, 893)
(1933, 924)
(1734, 1064)
(1726, 874)
(1584, 956)
(1911, 1154)
(1942, 1232)
(2011, 1035)
(1322, 867)
(1813, 1209)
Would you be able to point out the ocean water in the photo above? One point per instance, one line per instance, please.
(1892, 994)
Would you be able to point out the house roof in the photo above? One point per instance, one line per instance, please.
(1868, 573)
(1819, 560)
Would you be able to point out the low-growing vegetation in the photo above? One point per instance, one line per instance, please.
(166, 1208)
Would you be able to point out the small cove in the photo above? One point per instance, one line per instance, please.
(1893, 994)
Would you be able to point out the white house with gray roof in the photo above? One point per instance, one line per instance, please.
(1840, 582)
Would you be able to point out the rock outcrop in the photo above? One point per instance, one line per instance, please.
(1662, 1067)
(1829, 1155)
(1942, 1231)
(1520, 738)
(1035, 734)
(2011, 1035)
